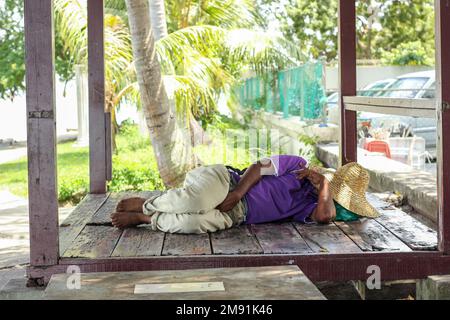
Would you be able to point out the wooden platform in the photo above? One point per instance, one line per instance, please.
(88, 233)
(259, 283)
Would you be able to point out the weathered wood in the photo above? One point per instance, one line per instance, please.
(416, 112)
(108, 145)
(78, 218)
(442, 9)
(236, 240)
(318, 267)
(347, 78)
(369, 235)
(94, 242)
(41, 132)
(260, 283)
(103, 215)
(176, 244)
(139, 242)
(279, 238)
(403, 103)
(326, 238)
(411, 231)
(85, 209)
(96, 80)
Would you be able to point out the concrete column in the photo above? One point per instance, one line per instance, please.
(433, 288)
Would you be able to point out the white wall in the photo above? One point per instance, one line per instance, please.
(368, 74)
(13, 121)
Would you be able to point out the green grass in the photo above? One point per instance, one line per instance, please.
(134, 168)
(72, 166)
(134, 163)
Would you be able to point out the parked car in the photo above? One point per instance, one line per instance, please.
(417, 85)
(371, 90)
(376, 88)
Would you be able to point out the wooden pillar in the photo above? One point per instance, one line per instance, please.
(96, 81)
(347, 78)
(41, 132)
(443, 120)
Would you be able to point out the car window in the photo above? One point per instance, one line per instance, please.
(372, 90)
(430, 93)
(405, 88)
(333, 98)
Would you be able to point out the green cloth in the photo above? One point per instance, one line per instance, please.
(343, 214)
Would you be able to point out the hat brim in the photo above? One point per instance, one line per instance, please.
(356, 203)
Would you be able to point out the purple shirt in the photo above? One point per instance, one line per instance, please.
(282, 195)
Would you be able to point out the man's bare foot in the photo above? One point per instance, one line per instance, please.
(129, 219)
(133, 204)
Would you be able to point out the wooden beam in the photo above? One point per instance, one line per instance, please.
(41, 132)
(402, 107)
(392, 102)
(409, 112)
(317, 267)
(96, 69)
(108, 145)
(347, 78)
(443, 120)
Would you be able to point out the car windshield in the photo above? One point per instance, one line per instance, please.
(333, 98)
(373, 89)
(430, 93)
(405, 88)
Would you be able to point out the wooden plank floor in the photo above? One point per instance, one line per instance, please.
(88, 233)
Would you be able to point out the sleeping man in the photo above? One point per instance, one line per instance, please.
(217, 197)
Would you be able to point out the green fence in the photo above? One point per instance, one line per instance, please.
(295, 92)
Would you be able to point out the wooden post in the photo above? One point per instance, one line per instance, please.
(443, 120)
(41, 132)
(108, 144)
(97, 125)
(347, 79)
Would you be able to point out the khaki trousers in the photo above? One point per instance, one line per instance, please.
(192, 208)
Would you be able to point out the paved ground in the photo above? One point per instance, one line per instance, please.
(14, 237)
(12, 152)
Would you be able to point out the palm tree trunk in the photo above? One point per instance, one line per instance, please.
(159, 26)
(170, 143)
(158, 18)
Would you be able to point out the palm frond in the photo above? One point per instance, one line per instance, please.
(117, 8)
(199, 63)
(229, 14)
(71, 25)
(260, 50)
(203, 39)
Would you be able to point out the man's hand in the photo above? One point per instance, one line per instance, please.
(312, 175)
(230, 202)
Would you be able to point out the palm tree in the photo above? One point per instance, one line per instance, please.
(71, 24)
(158, 18)
(196, 65)
(172, 149)
(209, 47)
(159, 27)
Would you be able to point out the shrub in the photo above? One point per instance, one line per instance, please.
(409, 54)
(72, 189)
(308, 151)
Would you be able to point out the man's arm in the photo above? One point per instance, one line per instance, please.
(251, 177)
(325, 211)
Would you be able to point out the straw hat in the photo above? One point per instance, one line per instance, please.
(349, 185)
